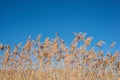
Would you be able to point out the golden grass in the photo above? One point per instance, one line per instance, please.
(53, 60)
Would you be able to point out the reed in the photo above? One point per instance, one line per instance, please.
(53, 60)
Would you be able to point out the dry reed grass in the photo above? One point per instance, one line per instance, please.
(53, 60)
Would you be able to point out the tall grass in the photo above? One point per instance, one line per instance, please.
(53, 60)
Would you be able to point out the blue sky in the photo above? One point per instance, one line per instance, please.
(21, 18)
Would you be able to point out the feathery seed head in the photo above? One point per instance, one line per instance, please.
(88, 40)
(100, 43)
(112, 44)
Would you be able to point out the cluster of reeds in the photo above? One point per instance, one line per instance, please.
(53, 60)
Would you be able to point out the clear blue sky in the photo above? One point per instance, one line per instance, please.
(21, 18)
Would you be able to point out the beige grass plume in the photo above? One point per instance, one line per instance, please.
(73, 46)
(47, 42)
(17, 48)
(2, 47)
(28, 45)
(88, 40)
(62, 45)
(112, 44)
(77, 37)
(54, 45)
(100, 43)
(38, 38)
(83, 36)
